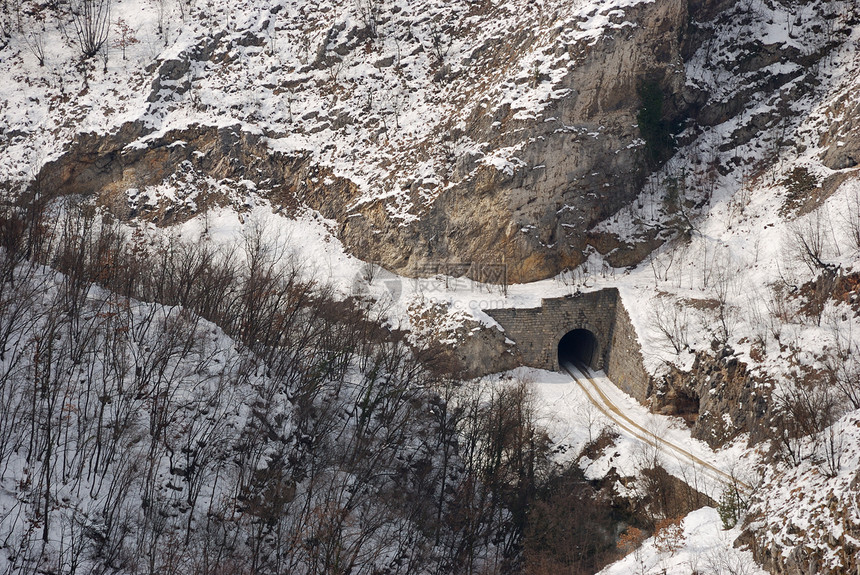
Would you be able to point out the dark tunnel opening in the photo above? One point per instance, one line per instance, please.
(578, 347)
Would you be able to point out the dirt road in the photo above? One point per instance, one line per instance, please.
(592, 390)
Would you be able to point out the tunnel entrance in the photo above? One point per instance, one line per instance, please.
(578, 347)
(593, 328)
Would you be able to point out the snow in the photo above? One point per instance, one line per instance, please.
(295, 86)
(739, 245)
(276, 92)
(703, 547)
(814, 503)
(573, 420)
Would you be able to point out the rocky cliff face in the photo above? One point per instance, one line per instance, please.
(532, 140)
(805, 519)
(201, 166)
(719, 397)
(577, 161)
(451, 133)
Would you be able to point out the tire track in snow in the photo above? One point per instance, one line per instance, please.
(609, 409)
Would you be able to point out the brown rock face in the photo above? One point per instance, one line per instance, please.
(108, 167)
(842, 140)
(577, 161)
(537, 173)
(582, 162)
(719, 396)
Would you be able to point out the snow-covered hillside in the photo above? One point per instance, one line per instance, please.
(180, 408)
(394, 113)
(383, 79)
(700, 156)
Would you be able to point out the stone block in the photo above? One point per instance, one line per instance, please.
(538, 331)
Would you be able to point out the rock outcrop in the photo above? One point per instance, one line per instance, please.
(576, 159)
(529, 138)
(580, 159)
(718, 396)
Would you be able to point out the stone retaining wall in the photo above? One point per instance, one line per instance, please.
(537, 332)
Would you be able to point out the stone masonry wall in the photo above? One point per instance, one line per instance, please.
(625, 367)
(537, 332)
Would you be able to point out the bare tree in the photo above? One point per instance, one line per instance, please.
(809, 243)
(851, 218)
(671, 321)
(369, 12)
(805, 409)
(724, 288)
(35, 42)
(91, 19)
(126, 36)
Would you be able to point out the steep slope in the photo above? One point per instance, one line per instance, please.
(462, 132)
(435, 133)
(184, 409)
(709, 147)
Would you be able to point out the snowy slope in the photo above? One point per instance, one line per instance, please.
(698, 545)
(732, 204)
(292, 70)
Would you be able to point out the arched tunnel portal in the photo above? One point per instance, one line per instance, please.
(579, 347)
(591, 329)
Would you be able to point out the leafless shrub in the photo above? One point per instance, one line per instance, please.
(184, 7)
(781, 306)
(843, 363)
(670, 319)
(832, 443)
(708, 257)
(335, 67)
(574, 280)
(369, 271)
(845, 371)
(440, 42)
(369, 12)
(809, 242)
(724, 287)
(662, 264)
(10, 19)
(805, 409)
(759, 319)
(160, 6)
(91, 19)
(35, 42)
(851, 219)
(722, 563)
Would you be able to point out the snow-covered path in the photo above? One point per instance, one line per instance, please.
(574, 410)
(598, 388)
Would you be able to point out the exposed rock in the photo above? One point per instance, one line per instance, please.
(621, 254)
(842, 140)
(578, 160)
(786, 543)
(730, 399)
(485, 350)
(581, 164)
(110, 166)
